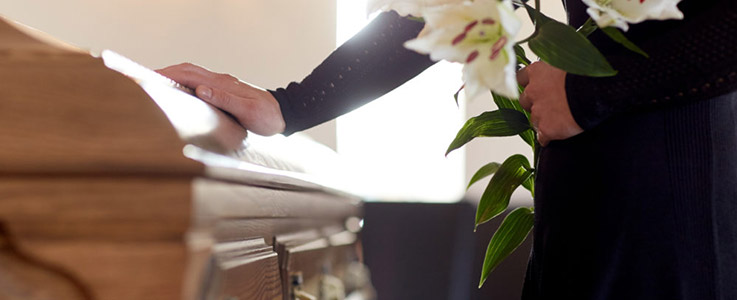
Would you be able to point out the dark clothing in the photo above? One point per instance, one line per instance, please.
(690, 60)
(367, 66)
(643, 204)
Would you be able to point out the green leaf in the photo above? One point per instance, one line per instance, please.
(495, 199)
(529, 185)
(562, 47)
(619, 37)
(503, 102)
(588, 27)
(484, 171)
(537, 17)
(521, 55)
(511, 233)
(502, 122)
(455, 96)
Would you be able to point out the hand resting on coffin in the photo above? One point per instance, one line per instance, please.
(253, 107)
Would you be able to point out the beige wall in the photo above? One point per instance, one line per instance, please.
(265, 42)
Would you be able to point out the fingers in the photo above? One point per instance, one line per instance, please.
(542, 139)
(523, 77)
(219, 98)
(242, 109)
(259, 114)
(187, 74)
(254, 108)
(192, 76)
(535, 122)
(525, 101)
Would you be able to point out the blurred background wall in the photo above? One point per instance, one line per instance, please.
(416, 250)
(266, 42)
(270, 43)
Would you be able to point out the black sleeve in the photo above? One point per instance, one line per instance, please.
(690, 60)
(370, 64)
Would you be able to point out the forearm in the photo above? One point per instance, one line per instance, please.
(367, 66)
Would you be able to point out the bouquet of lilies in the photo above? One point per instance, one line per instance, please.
(482, 35)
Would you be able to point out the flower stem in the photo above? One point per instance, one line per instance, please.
(537, 24)
(518, 2)
(588, 27)
(535, 159)
(527, 39)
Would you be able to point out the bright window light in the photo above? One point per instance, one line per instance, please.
(397, 143)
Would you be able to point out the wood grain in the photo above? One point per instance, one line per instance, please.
(22, 278)
(103, 208)
(15, 37)
(122, 238)
(99, 201)
(65, 112)
(225, 230)
(118, 270)
(223, 200)
(245, 270)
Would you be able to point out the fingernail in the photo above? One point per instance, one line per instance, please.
(205, 93)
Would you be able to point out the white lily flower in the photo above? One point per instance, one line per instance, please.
(619, 13)
(479, 34)
(406, 7)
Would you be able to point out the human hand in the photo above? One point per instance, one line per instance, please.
(253, 107)
(545, 98)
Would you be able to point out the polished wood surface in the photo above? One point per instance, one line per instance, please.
(96, 208)
(244, 269)
(120, 187)
(31, 279)
(65, 112)
(103, 231)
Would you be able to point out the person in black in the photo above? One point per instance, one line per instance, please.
(640, 205)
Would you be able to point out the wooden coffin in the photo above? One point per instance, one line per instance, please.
(127, 187)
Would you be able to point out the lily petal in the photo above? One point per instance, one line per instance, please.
(620, 13)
